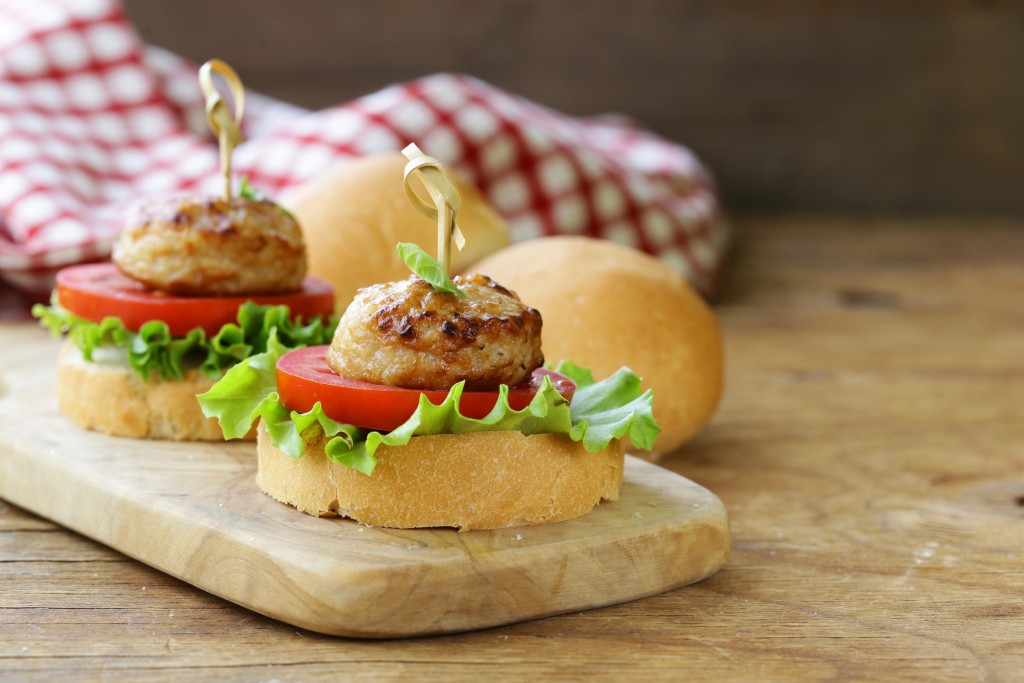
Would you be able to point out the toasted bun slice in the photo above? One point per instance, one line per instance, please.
(107, 395)
(354, 214)
(605, 305)
(486, 480)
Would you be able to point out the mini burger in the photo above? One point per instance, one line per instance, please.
(196, 285)
(431, 407)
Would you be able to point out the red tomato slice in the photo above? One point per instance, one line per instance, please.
(97, 290)
(303, 378)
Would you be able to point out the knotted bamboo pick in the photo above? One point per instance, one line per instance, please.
(222, 123)
(446, 201)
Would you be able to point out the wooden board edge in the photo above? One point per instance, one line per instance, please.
(229, 563)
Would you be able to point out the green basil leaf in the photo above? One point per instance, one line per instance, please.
(250, 192)
(427, 268)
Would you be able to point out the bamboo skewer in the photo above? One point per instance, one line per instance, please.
(225, 126)
(445, 204)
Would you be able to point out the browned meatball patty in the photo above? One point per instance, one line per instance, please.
(409, 335)
(213, 247)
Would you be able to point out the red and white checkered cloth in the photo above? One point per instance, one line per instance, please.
(91, 120)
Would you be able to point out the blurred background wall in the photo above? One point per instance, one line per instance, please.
(864, 106)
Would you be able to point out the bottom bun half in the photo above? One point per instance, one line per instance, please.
(107, 395)
(485, 480)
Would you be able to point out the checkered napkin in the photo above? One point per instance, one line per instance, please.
(91, 120)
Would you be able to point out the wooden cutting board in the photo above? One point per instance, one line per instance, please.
(193, 511)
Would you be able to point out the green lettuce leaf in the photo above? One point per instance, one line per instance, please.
(600, 412)
(237, 399)
(427, 268)
(153, 349)
(612, 408)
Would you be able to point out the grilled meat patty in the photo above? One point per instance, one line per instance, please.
(212, 247)
(407, 334)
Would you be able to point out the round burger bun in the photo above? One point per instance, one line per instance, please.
(353, 216)
(483, 480)
(107, 395)
(604, 306)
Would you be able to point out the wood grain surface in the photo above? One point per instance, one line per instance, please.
(870, 450)
(193, 510)
(901, 105)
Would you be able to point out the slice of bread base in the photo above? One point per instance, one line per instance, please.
(107, 395)
(485, 480)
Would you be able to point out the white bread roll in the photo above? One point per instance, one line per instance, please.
(485, 480)
(354, 214)
(605, 305)
(108, 396)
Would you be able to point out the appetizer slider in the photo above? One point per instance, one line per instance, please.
(197, 284)
(431, 406)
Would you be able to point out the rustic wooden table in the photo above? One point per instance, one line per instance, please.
(870, 450)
